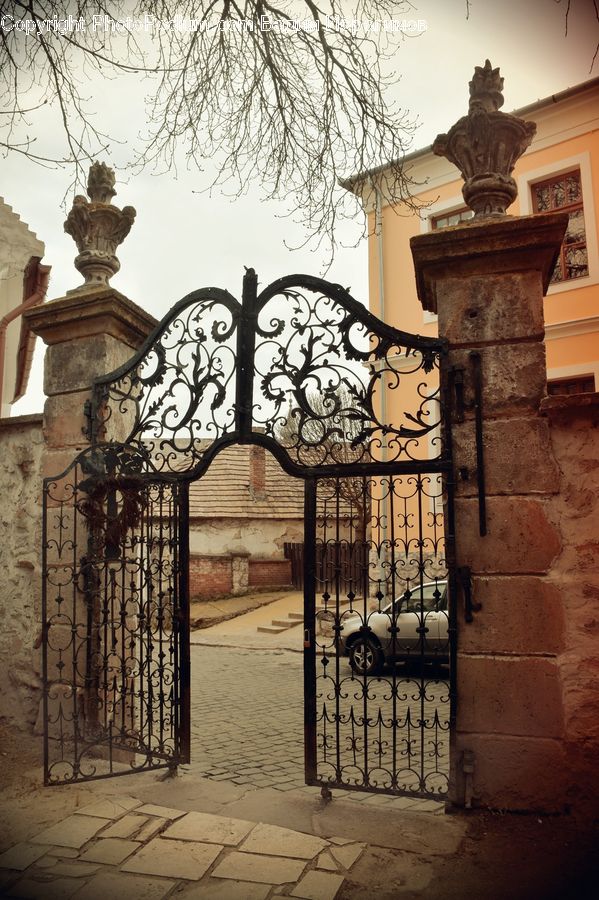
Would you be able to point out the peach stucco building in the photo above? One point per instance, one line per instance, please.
(560, 170)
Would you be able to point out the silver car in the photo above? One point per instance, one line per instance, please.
(412, 628)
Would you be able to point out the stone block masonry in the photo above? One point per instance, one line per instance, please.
(486, 281)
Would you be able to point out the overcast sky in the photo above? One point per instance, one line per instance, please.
(182, 240)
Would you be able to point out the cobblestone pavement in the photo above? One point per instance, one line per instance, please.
(259, 742)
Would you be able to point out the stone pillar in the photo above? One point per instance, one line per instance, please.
(91, 331)
(486, 282)
(88, 333)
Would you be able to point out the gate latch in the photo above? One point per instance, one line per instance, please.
(470, 607)
(307, 642)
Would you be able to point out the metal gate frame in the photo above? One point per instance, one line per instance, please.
(213, 373)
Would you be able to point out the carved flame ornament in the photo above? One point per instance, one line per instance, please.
(485, 145)
(98, 227)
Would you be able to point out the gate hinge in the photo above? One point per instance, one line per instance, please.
(470, 607)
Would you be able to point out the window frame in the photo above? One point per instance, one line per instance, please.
(528, 179)
(567, 208)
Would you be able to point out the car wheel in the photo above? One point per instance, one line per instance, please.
(365, 657)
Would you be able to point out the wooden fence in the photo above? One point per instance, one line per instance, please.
(348, 562)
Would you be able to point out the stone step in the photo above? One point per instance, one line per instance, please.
(296, 615)
(285, 623)
(271, 629)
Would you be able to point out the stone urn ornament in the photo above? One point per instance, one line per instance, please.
(98, 227)
(485, 146)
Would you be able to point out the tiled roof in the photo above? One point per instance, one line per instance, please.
(225, 490)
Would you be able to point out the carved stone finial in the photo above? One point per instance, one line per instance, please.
(485, 146)
(486, 88)
(98, 228)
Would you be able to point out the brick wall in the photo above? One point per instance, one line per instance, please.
(269, 572)
(210, 576)
(219, 575)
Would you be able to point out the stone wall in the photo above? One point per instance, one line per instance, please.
(21, 447)
(574, 577)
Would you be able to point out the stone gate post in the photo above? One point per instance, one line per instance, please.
(89, 332)
(486, 280)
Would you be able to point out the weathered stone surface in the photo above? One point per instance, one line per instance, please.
(21, 856)
(514, 378)
(520, 538)
(519, 615)
(197, 826)
(517, 457)
(514, 773)
(64, 420)
(275, 841)
(110, 808)
(347, 856)
(74, 831)
(116, 885)
(111, 851)
(470, 314)
(127, 827)
(173, 859)
(99, 311)
(509, 695)
(57, 889)
(495, 246)
(212, 889)
(72, 365)
(263, 869)
(318, 886)
(164, 812)
(21, 449)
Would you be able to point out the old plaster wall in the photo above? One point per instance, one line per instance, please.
(574, 429)
(21, 448)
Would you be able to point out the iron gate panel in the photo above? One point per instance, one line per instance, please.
(380, 702)
(115, 615)
(304, 370)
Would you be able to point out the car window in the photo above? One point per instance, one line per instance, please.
(430, 598)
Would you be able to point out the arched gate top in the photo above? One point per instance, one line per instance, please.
(301, 368)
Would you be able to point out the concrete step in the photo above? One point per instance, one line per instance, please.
(285, 623)
(271, 629)
(296, 615)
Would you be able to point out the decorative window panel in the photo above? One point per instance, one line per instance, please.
(564, 192)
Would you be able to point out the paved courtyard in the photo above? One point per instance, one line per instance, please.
(260, 740)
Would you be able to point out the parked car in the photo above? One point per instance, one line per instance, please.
(412, 628)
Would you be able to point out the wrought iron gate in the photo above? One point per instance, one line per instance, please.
(305, 371)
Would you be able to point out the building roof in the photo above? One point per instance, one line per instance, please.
(226, 491)
(354, 183)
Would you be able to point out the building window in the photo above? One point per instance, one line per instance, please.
(581, 384)
(453, 218)
(564, 192)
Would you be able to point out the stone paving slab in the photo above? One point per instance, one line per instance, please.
(271, 840)
(109, 809)
(126, 827)
(111, 851)
(173, 859)
(33, 889)
(213, 889)
(266, 870)
(116, 886)
(74, 831)
(21, 856)
(197, 826)
(349, 854)
(164, 812)
(318, 886)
